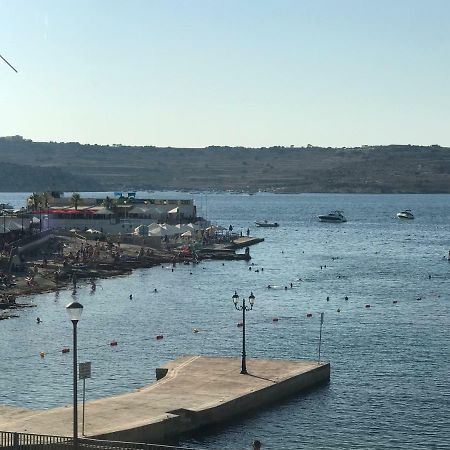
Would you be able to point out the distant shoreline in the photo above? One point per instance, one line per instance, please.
(394, 169)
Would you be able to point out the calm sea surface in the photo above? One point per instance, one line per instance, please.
(390, 364)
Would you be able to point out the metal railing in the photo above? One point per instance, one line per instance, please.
(28, 441)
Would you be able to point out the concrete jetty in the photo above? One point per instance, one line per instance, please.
(190, 392)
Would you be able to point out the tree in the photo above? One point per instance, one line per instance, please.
(45, 199)
(35, 200)
(108, 202)
(75, 199)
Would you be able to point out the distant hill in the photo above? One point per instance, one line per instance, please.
(36, 166)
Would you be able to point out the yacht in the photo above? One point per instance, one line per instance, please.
(406, 214)
(333, 216)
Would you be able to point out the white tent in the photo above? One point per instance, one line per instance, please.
(142, 210)
(160, 231)
(182, 228)
(172, 229)
(193, 226)
(102, 211)
(141, 230)
(92, 231)
(187, 234)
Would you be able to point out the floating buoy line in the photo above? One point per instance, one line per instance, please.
(160, 337)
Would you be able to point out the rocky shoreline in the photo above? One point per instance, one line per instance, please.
(64, 261)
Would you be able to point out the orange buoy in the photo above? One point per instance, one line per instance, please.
(65, 350)
(160, 336)
(309, 315)
(113, 343)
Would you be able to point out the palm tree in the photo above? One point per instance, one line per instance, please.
(108, 202)
(45, 198)
(35, 200)
(75, 199)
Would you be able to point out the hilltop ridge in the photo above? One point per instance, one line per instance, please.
(28, 166)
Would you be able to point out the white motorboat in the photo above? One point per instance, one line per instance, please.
(333, 217)
(266, 224)
(406, 214)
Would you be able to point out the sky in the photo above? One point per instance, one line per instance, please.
(252, 73)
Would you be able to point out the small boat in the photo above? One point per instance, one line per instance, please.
(266, 224)
(406, 214)
(333, 217)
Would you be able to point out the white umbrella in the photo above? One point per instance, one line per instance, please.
(187, 234)
(92, 231)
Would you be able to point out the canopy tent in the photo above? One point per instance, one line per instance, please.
(163, 230)
(140, 210)
(141, 230)
(103, 211)
(182, 228)
(194, 226)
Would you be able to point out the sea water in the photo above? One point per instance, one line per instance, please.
(389, 363)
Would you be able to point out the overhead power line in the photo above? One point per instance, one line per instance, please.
(8, 63)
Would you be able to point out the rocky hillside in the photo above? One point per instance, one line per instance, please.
(33, 166)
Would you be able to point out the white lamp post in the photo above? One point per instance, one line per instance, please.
(74, 310)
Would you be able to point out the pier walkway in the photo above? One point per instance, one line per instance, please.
(191, 392)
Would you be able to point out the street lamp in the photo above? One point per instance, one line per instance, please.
(22, 210)
(244, 308)
(40, 217)
(74, 310)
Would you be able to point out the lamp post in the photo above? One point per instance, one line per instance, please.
(22, 210)
(40, 218)
(244, 308)
(74, 310)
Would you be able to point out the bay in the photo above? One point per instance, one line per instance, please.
(390, 362)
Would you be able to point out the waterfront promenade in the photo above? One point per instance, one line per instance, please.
(192, 392)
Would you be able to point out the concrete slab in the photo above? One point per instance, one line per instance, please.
(196, 391)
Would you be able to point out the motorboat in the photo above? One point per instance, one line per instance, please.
(333, 217)
(406, 214)
(266, 224)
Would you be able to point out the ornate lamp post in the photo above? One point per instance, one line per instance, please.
(74, 310)
(244, 308)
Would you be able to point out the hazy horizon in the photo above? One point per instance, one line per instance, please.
(253, 74)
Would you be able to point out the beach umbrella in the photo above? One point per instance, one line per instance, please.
(92, 231)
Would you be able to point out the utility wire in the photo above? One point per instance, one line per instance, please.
(8, 64)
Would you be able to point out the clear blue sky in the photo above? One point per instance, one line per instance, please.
(226, 72)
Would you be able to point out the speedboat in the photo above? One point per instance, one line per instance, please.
(334, 216)
(266, 224)
(406, 214)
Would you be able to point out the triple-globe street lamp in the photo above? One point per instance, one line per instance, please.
(244, 308)
(74, 310)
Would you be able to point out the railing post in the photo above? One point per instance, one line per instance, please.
(16, 441)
